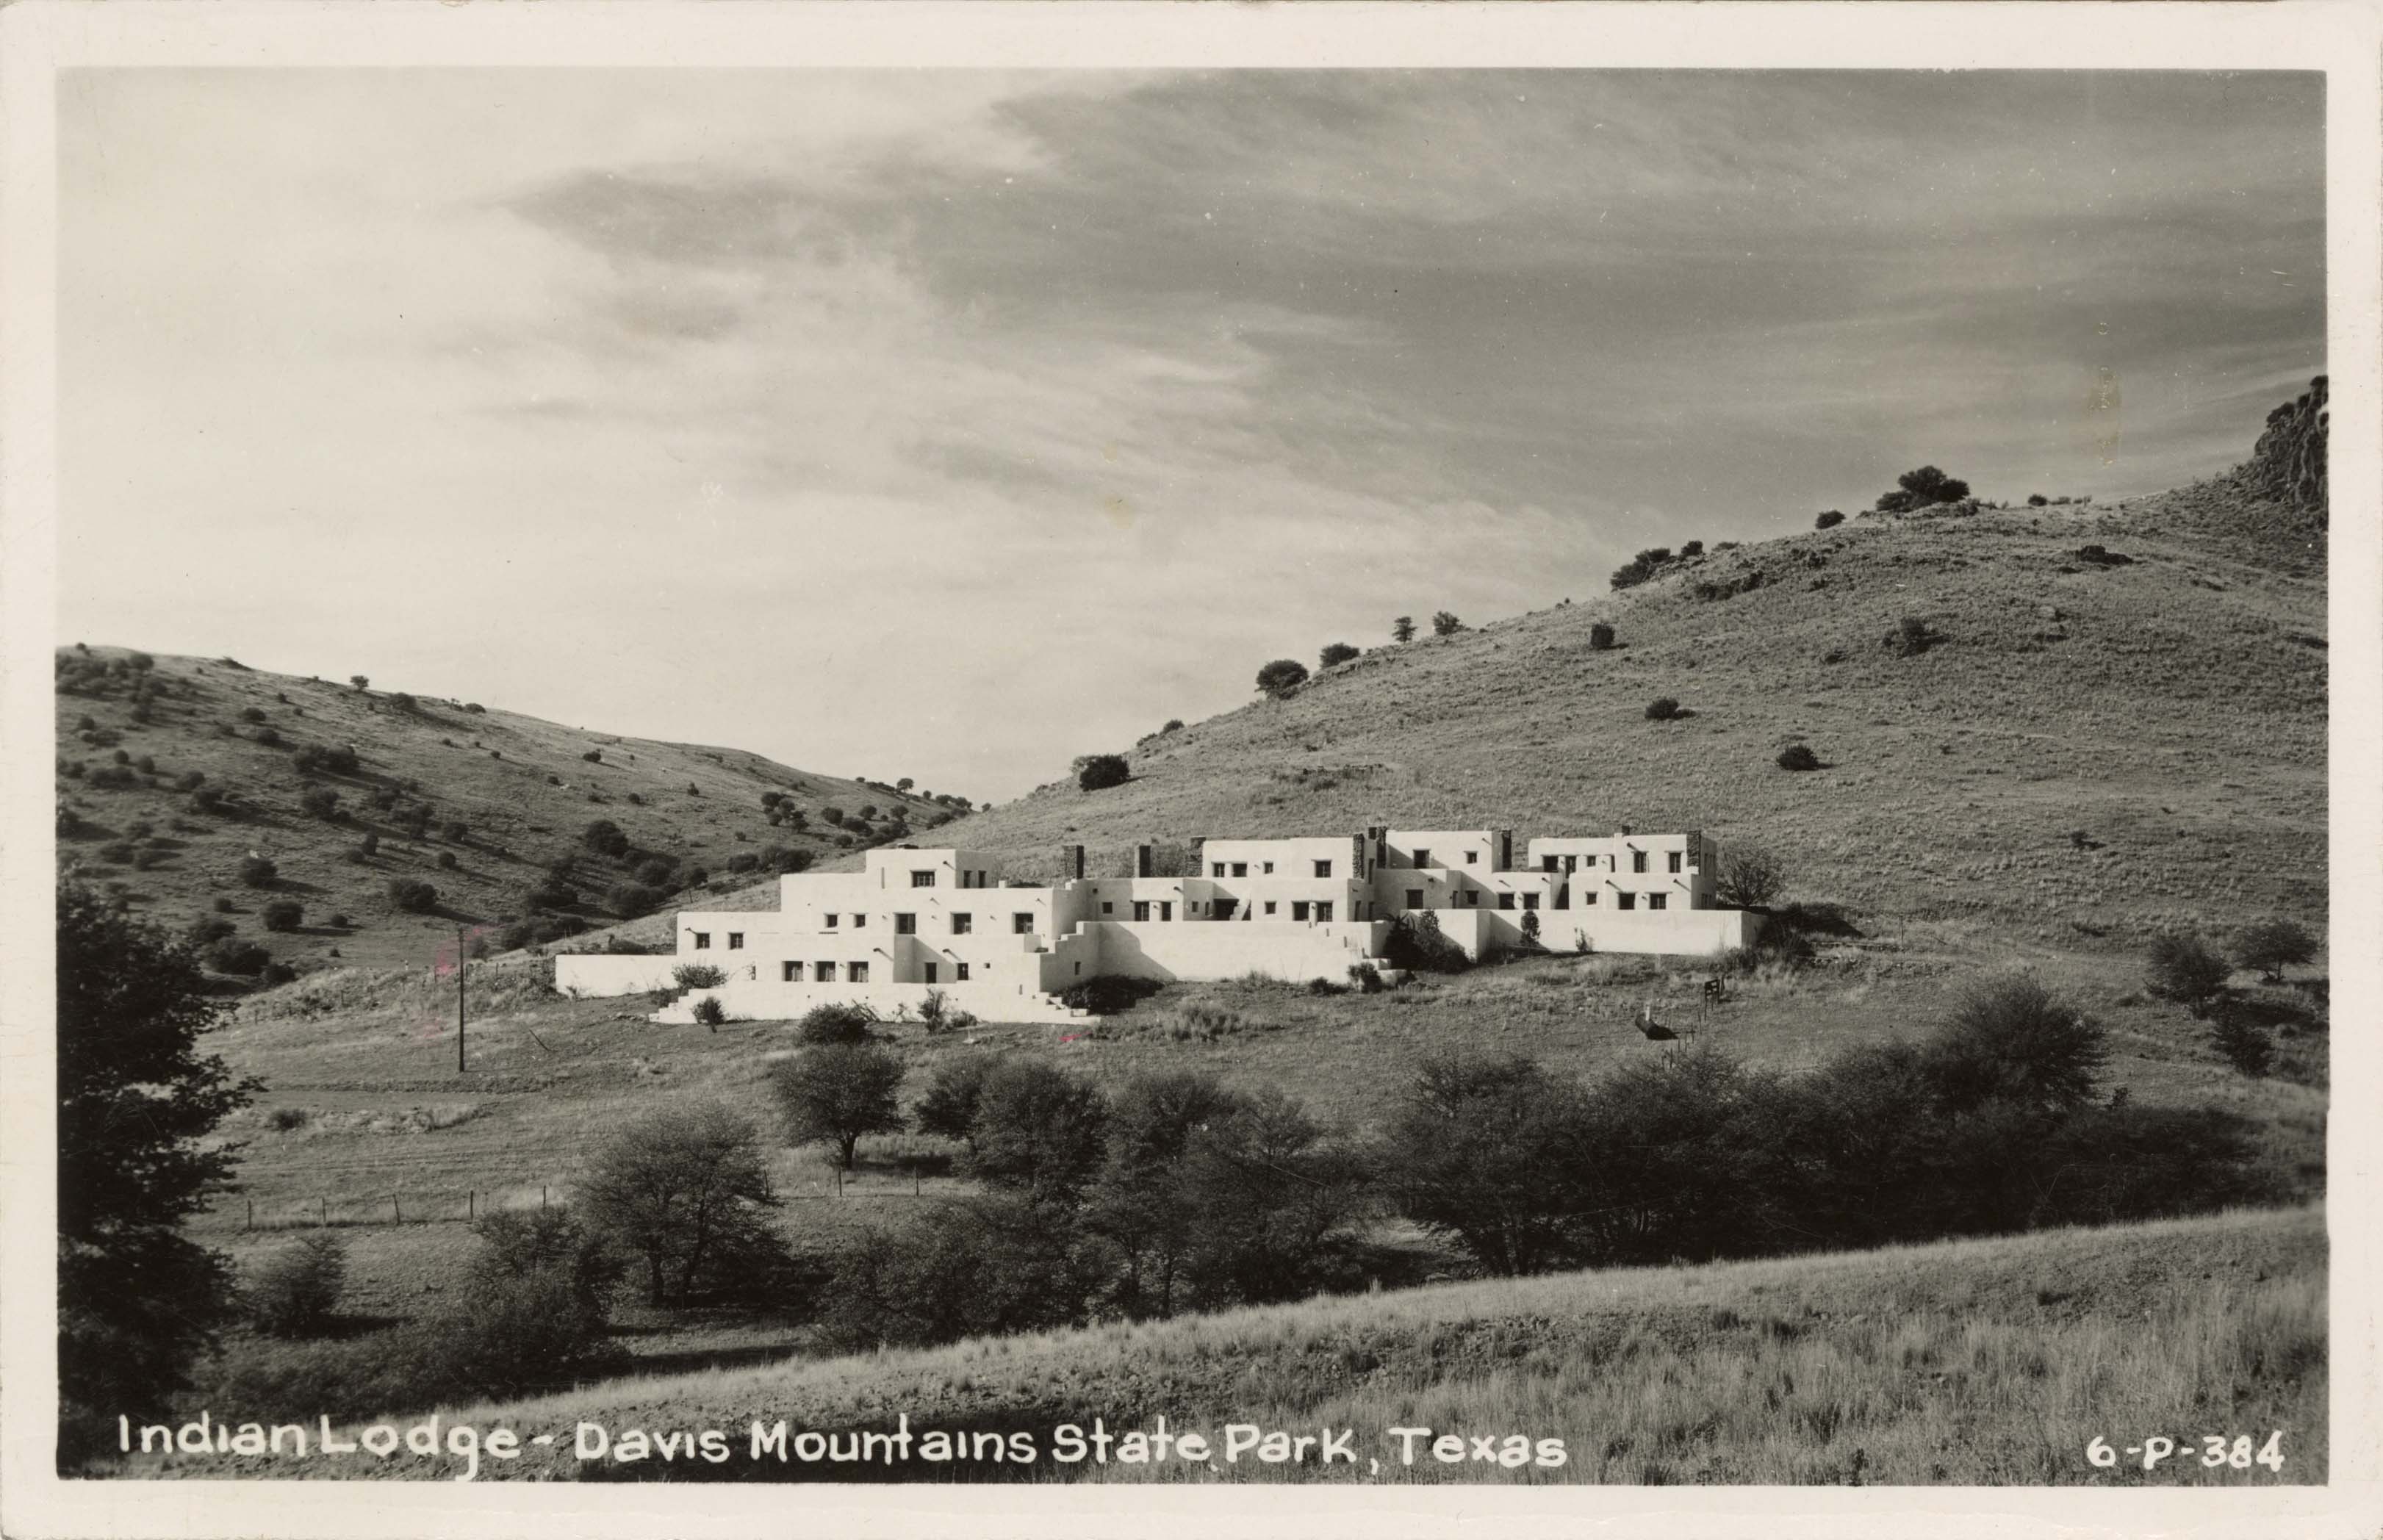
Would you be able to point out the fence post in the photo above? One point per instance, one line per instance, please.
(252, 1216)
(839, 1181)
(541, 1196)
(396, 1209)
(327, 1214)
(471, 1206)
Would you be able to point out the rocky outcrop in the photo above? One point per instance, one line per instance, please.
(2288, 462)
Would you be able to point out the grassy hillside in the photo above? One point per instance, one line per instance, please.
(522, 790)
(1981, 1362)
(2078, 748)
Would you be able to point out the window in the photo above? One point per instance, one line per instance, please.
(963, 924)
(1299, 908)
(1625, 901)
(1269, 905)
(1141, 909)
(790, 973)
(1572, 863)
(735, 941)
(824, 973)
(1323, 912)
(1530, 901)
(1589, 899)
(931, 973)
(857, 972)
(959, 973)
(831, 921)
(1672, 860)
(859, 920)
(1166, 910)
(1108, 908)
(1414, 898)
(703, 941)
(1473, 897)
(1323, 869)
(1422, 858)
(1471, 857)
(1022, 924)
(1658, 900)
(1505, 901)
(1217, 869)
(1269, 868)
(1240, 869)
(922, 879)
(906, 925)
(1547, 863)
(1637, 860)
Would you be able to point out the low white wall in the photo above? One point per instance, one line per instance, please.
(591, 973)
(1666, 932)
(773, 999)
(1226, 949)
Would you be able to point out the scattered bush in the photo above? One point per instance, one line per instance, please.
(1337, 653)
(594, 757)
(320, 802)
(1798, 757)
(2246, 1044)
(277, 973)
(252, 713)
(2187, 970)
(837, 1022)
(1402, 630)
(296, 1293)
(1601, 638)
(604, 837)
(447, 860)
(1662, 708)
(231, 955)
(2273, 946)
(413, 895)
(1098, 771)
(1829, 520)
(1910, 636)
(283, 914)
(1444, 623)
(710, 1012)
(1365, 978)
(2037, 499)
(1107, 993)
(698, 976)
(257, 872)
(1922, 489)
(1749, 878)
(1647, 564)
(634, 900)
(1417, 945)
(1281, 677)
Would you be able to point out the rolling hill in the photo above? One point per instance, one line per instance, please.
(173, 771)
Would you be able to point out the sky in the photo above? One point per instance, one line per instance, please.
(953, 424)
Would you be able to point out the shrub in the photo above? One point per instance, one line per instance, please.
(1648, 563)
(413, 895)
(594, 757)
(447, 860)
(631, 900)
(1601, 638)
(1910, 636)
(685, 1191)
(2011, 1040)
(1107, 993)
(941, 1015)
(231, 955)
(656, 871)
(1365, 978)
(320, 802)
(2272, 946)
(1337, 653)
(2037, 499)
(2245, 1043)
(339, 922)
(1829, 520)
(1444, 623)
(771, 799)
(1662, 708)
(369, 845)
(252, 713)
(1693, 548)
(604, 837)
(2187, 970)
(698, 976)
(838, 1022)
(1927, 487)
(359, 681)
(277, 973)
(117, 852)
(1417, 945)
(283, 914)
(1798, 757)
(257, 872)
(710, 1012)
(1402, 630)
(831, 816)
(1282, 676)
(203, 932)
(744, 860)
(1098, 771)
(296, 1293)
(1749, 878)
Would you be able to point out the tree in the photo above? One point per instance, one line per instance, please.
(283, 914)
(948, 1110)
(320, 802)
(1446, 624)
(1484, 1150)
(2273, 946)
(836, 1092)
(1601, 637)
(1749, 878)
(1829, 520)
(1039, 1131)
(904, 784)
(257, 872)
(1099, 771)
(1337, 653)
(841, 1021)
(685, 1190)
(136, 1103)
(2012, 1040)
(604, 837)
(413, 895)
(1282, 676)
(1928, 485)
(1402, 629)
(359, 681)
(2187, 970)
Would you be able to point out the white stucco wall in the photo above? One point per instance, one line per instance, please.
(595, 974)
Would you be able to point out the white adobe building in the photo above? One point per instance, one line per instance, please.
(916, 920)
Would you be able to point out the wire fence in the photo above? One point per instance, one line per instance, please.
(466, 1206)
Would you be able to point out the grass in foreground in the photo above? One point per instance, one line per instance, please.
(1980, 1362)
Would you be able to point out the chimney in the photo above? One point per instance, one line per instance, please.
(1071, 862)
(1142, 860)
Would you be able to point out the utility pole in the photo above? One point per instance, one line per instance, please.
(459, 999)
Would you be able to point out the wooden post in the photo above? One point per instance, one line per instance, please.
(252, 1216)
(839, 1181)
(471, 1206)
(327, 1214)
(541, 1196)
(459, 999)
(396, 1209)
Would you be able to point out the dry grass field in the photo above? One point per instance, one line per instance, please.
(1969, 1362)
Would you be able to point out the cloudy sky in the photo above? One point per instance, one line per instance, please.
(951, 424)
